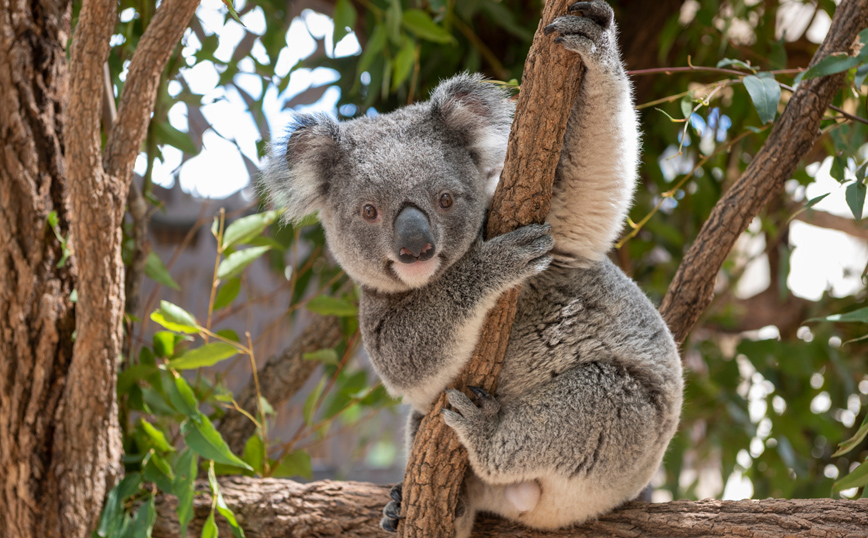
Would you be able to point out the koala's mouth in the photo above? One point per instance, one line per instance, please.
(415, 274)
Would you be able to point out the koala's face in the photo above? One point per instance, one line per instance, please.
(404, 202)
(401, 196)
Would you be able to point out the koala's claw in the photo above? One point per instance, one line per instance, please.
(392, 510)
(599, 12)
(480, 393)
(397, 492)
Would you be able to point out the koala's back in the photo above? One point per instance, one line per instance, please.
(575, 316)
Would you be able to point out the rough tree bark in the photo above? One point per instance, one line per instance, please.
(549, 87)
(274, 508)
(59, 436)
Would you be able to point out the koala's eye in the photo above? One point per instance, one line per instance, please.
(369, 212)
(445, 200)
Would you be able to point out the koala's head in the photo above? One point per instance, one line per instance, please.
(401, 196)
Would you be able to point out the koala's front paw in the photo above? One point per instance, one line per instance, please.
(591, 33)
(392, 510)
(520, 254)
(474, 423)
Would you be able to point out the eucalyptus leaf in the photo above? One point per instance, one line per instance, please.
(344, 18)
(859, 316)
(246, 228)
(184, 486)
(331, 306)
(296, 463)
(222, 507)
(158, 438)
(765, 93)
(207, 355)
(420, 23)
(227, 293)
(237, 261)
(143, 523)
(855, 196)
(202, 437)
(854, 441)
(156, 271)
(857, 478)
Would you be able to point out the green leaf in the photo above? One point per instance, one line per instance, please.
(237, 261)
(202, 437)
(310, 402)
(157, 470)
(738, 63)
(861, 75)
(164, 344)
(253, 453)
(345, 20)
(156, 271)
(858, 478)
(372, 50)
(418, 22)
(839, 168)
(177, 317)
(834, 63)
(393, 21)
(207, 355)
(296, 463)
(687, 106)
(855, 195)
(860, 172)
(182, 398)
(404, 62)
(231, 7)
(156, 436)
(854, 441)
(143, 523)
(667, 115)
(227, 293)
(246, 228)
(209, 529)
(229, 334)
(113, 516)
(859, 316)
(166, 134)
(224, 510)
(184, 486)
(331, 306)
(816, 200)
(325, 356)
(765, 93)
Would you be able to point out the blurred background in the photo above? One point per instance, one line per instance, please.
(769, 394)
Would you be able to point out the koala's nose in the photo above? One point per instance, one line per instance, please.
(413, 239)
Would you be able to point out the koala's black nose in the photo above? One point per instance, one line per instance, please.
(413, 240)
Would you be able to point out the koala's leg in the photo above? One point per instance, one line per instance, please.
(596, 423)
(597, 171)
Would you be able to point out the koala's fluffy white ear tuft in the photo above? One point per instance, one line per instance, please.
(295, 176)
(478, 114)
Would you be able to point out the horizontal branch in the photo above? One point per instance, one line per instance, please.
(277, 508)
(822, 219)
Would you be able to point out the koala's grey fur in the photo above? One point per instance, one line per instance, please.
(591, 387)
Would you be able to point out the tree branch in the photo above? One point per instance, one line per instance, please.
(549, 87)
(277, 508)
(87, 447)
(281, 377)
(822, 219)
(140, 89)
(791, 138)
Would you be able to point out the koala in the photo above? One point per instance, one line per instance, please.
(591, 388)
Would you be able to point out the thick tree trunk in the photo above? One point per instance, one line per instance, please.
(275, 508)
(59, 437)
(37, 318)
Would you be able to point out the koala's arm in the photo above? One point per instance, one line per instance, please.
(597, 171)
(419, 340)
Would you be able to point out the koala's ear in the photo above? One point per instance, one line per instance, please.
(478, 114)
(296, 174)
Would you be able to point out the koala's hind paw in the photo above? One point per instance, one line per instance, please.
(392, 510)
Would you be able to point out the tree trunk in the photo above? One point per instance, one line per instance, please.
(276, 508)
(37, 318)
(61, 196)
